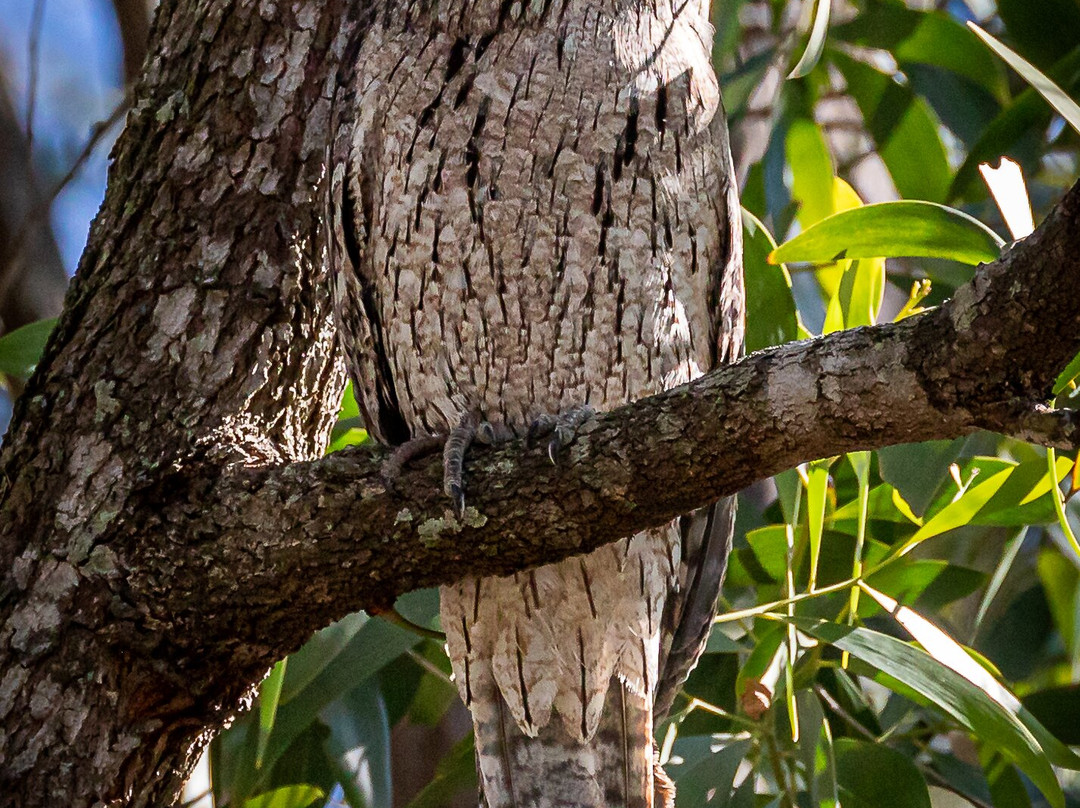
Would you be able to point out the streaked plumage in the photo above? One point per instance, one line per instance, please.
(534, 210)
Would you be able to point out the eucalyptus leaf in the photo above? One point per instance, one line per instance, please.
(1054, 95)
(893, 230)
(964, 701)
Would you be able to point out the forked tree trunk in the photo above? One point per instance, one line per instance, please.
(195, 335)
(161, 542)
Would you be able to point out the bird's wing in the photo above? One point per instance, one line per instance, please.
(707, 532)
(349, 215)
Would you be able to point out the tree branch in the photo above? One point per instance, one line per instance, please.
(977, 362)
(166, 529)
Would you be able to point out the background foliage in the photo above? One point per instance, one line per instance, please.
(898, 628)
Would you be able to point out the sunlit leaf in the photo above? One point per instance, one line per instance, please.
(966, 703)
(959, 512)
(968, 664)
(353, 436)
(296, 796)
(1007, 186)
(1068, 376)
(817, 487)
(816, 43)
(894, 230)
(1054, 95)
(811, 171)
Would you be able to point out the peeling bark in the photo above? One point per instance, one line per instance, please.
(167, 529)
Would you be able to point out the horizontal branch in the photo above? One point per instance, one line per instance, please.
(325, 537)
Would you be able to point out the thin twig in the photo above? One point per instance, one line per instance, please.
(37, 20)
(42, 206)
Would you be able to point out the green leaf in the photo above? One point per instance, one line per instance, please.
(1059, 579)
(21, 349)
(976, 670)
(711, 682)
(1025, 498)
(915, 155)
(1053, 94)
(455, 773)
(771, 318)
(903, 127)
(883, 24)
(357, 650)
(708, 767)
(816, 43)
(769, 546)
(1023, 117)
(917, 470)
(941, 41)
(351, 436)
(960, 511)
(359, 745)
(1072, 370)
(965, 702)
(894, 230)
(349, 407)
(872, 775)
(1008, 556)
(269, 695)
(318, 652)
(817, 487)
(817, 752)
(811, 172)
(295, 796)
(1006, 787)
(861, 290)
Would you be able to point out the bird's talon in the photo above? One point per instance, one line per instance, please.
(541, 426)
(457, 497)
(553, 451)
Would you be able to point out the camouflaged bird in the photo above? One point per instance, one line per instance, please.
(534, 214)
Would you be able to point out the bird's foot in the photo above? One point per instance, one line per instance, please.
(453, 447)
(461, 437)
(560, 429)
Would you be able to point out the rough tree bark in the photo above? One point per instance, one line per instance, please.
(167, 530)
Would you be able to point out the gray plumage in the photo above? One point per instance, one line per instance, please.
(534, 210)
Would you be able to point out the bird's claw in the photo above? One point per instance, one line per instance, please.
(457, 499)
(461, 437)
(561, 428)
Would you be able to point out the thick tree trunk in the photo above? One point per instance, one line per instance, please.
(166, 531)
(196, 335)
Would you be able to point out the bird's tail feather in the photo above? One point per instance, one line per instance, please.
(554, 769)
